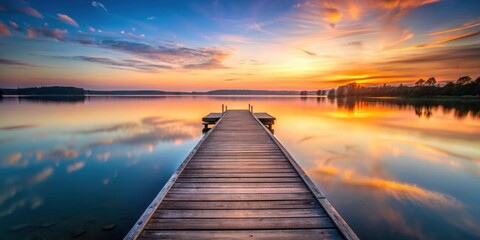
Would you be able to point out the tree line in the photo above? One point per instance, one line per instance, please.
(45, 91)
(464, 86)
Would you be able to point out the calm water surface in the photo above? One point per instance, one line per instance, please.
(394, 169)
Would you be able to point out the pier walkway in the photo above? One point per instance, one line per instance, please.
(239, 182)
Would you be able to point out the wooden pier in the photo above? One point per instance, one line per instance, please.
(239, 182)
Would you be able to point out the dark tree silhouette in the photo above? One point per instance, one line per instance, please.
(463, 80)
(464, 86)
(420, 82)
(331, 93)
(431, 82)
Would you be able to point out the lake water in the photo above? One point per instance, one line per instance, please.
(393, 168)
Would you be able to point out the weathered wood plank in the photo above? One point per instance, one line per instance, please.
(261, 213)
(242, 179)
(302, 189)
(189, 171)
(257, 175)
(240, 223)
(304, 234)
(237, 165)
(239, 185)
(237, 197)
(232, 205)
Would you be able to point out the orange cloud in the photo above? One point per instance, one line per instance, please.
(41, 176)
(56, 33)
(326, 170)
(441, 42)
(66, 19)
(332, 15)
(31, 11)
(402, 191)
(75, 167)
(455, 29)
(14, 158)
(397, 190)
(458, 37)
(403, 4)
(4, 30)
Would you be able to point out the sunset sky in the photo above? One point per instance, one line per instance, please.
(213, 44)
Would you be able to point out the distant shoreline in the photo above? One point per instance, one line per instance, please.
(73, 91)
(62, 91)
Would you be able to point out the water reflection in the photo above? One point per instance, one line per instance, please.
(387, 170)
(53, 99)
(393, 168)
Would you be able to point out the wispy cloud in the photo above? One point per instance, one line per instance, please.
(257, 27)
(67, 19)
(356, 44)
(151, 18)
(55, 33)
(404, 191)
(309, 53)
(182, 57)
(441, 42)
(450, 56)
(467, 26)
(99, 5)
(4, 31)
(41, 176)
(75, 167)
(459, 37)
(126, 64)
(30, 11)
(110, 128)
(331, 15)
(14, 25)
(132, 35)
(21, 64)
(61, 154)
(16, 127)
(150, 131)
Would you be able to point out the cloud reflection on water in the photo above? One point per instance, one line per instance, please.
(145, 133)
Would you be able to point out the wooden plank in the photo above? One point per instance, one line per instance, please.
(244, 162)
(238, 185)
(237, 165)
(242, 179)
(199, 190)
(304, 234)
(261, 213)
(232, 205)
(240, 223)
(222, 175)
(237, 170)
(241, 159)
(237, 197)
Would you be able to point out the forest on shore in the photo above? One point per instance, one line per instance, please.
(464, 86)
